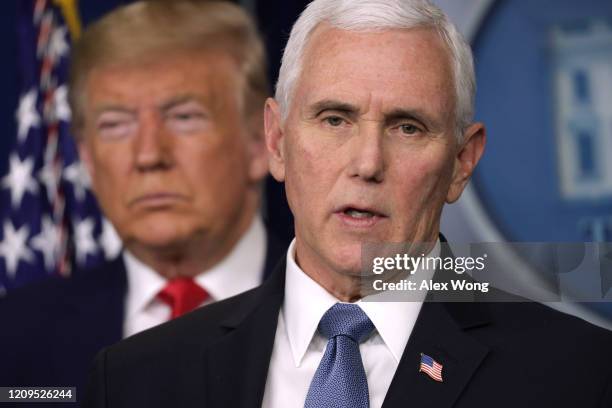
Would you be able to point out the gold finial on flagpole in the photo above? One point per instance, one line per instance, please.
(71, 16)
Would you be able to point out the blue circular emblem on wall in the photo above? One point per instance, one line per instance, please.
(544, 71)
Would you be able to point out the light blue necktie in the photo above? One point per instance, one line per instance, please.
(340, 381)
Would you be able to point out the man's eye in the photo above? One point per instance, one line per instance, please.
(108, 125)
(186, 122)
(409, 129)
(187, 116)
(111, 129)
(334, 121)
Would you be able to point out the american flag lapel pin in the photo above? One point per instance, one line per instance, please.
(431, 367)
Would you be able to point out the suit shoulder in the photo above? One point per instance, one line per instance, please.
(535, 320)
(195, 329)
(56, 292)
(515, 313)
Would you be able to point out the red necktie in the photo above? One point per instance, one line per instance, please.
(182, 295)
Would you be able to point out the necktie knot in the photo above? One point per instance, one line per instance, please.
(344, 319)
(340, 380)
(182, 295)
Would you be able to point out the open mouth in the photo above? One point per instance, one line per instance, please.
(362, 216)
(359, 214)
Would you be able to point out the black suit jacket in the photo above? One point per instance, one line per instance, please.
(52, 331)
(494, 355)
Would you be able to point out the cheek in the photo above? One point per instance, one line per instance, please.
(211, 154)
(308, 172)
(216, 175)
(424, 178)
(110, 177)
(111, 187)
(296, 177)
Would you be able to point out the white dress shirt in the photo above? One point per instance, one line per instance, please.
(239, 271)
(298, 347)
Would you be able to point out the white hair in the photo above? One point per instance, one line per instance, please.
(376, 15)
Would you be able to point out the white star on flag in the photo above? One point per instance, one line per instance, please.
(109, 240)
(60, 102)
(83, 239)
(47, 242)
(79, 177)
(58, 45)
(27, 116)
(19, 180)
(13, 247)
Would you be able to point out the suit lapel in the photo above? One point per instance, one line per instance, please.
(440, 336)
(237, 364)
(441, 332)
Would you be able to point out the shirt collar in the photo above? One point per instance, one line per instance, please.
(143, 284)
(239, 271)
(306, 302)
(304, 305)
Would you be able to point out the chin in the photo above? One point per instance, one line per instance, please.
(160, 242)
(161, 235)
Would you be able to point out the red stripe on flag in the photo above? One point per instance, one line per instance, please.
(434, 372)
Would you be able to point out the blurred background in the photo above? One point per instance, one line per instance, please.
(544, 74)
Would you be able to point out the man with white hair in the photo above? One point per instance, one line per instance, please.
(371, 131)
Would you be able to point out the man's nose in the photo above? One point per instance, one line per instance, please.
(367, 154)
(153, 144)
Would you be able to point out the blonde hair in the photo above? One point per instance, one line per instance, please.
(142, 29)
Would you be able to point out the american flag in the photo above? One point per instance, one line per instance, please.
(431, 367)
(49, 220)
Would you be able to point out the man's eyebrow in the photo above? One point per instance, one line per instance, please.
(177, 100)
(109, 107)
(411, 114)
(332, 104)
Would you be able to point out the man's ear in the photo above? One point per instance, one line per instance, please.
(258, 155)
(467, 157)
(274, 140)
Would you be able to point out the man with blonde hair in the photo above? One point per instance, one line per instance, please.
(167, 100)
(372, 132)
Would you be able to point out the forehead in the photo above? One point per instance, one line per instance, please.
(407, 68)
(206, 75)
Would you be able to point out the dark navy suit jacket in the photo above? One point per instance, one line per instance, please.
(500, 355)
(51, 332)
